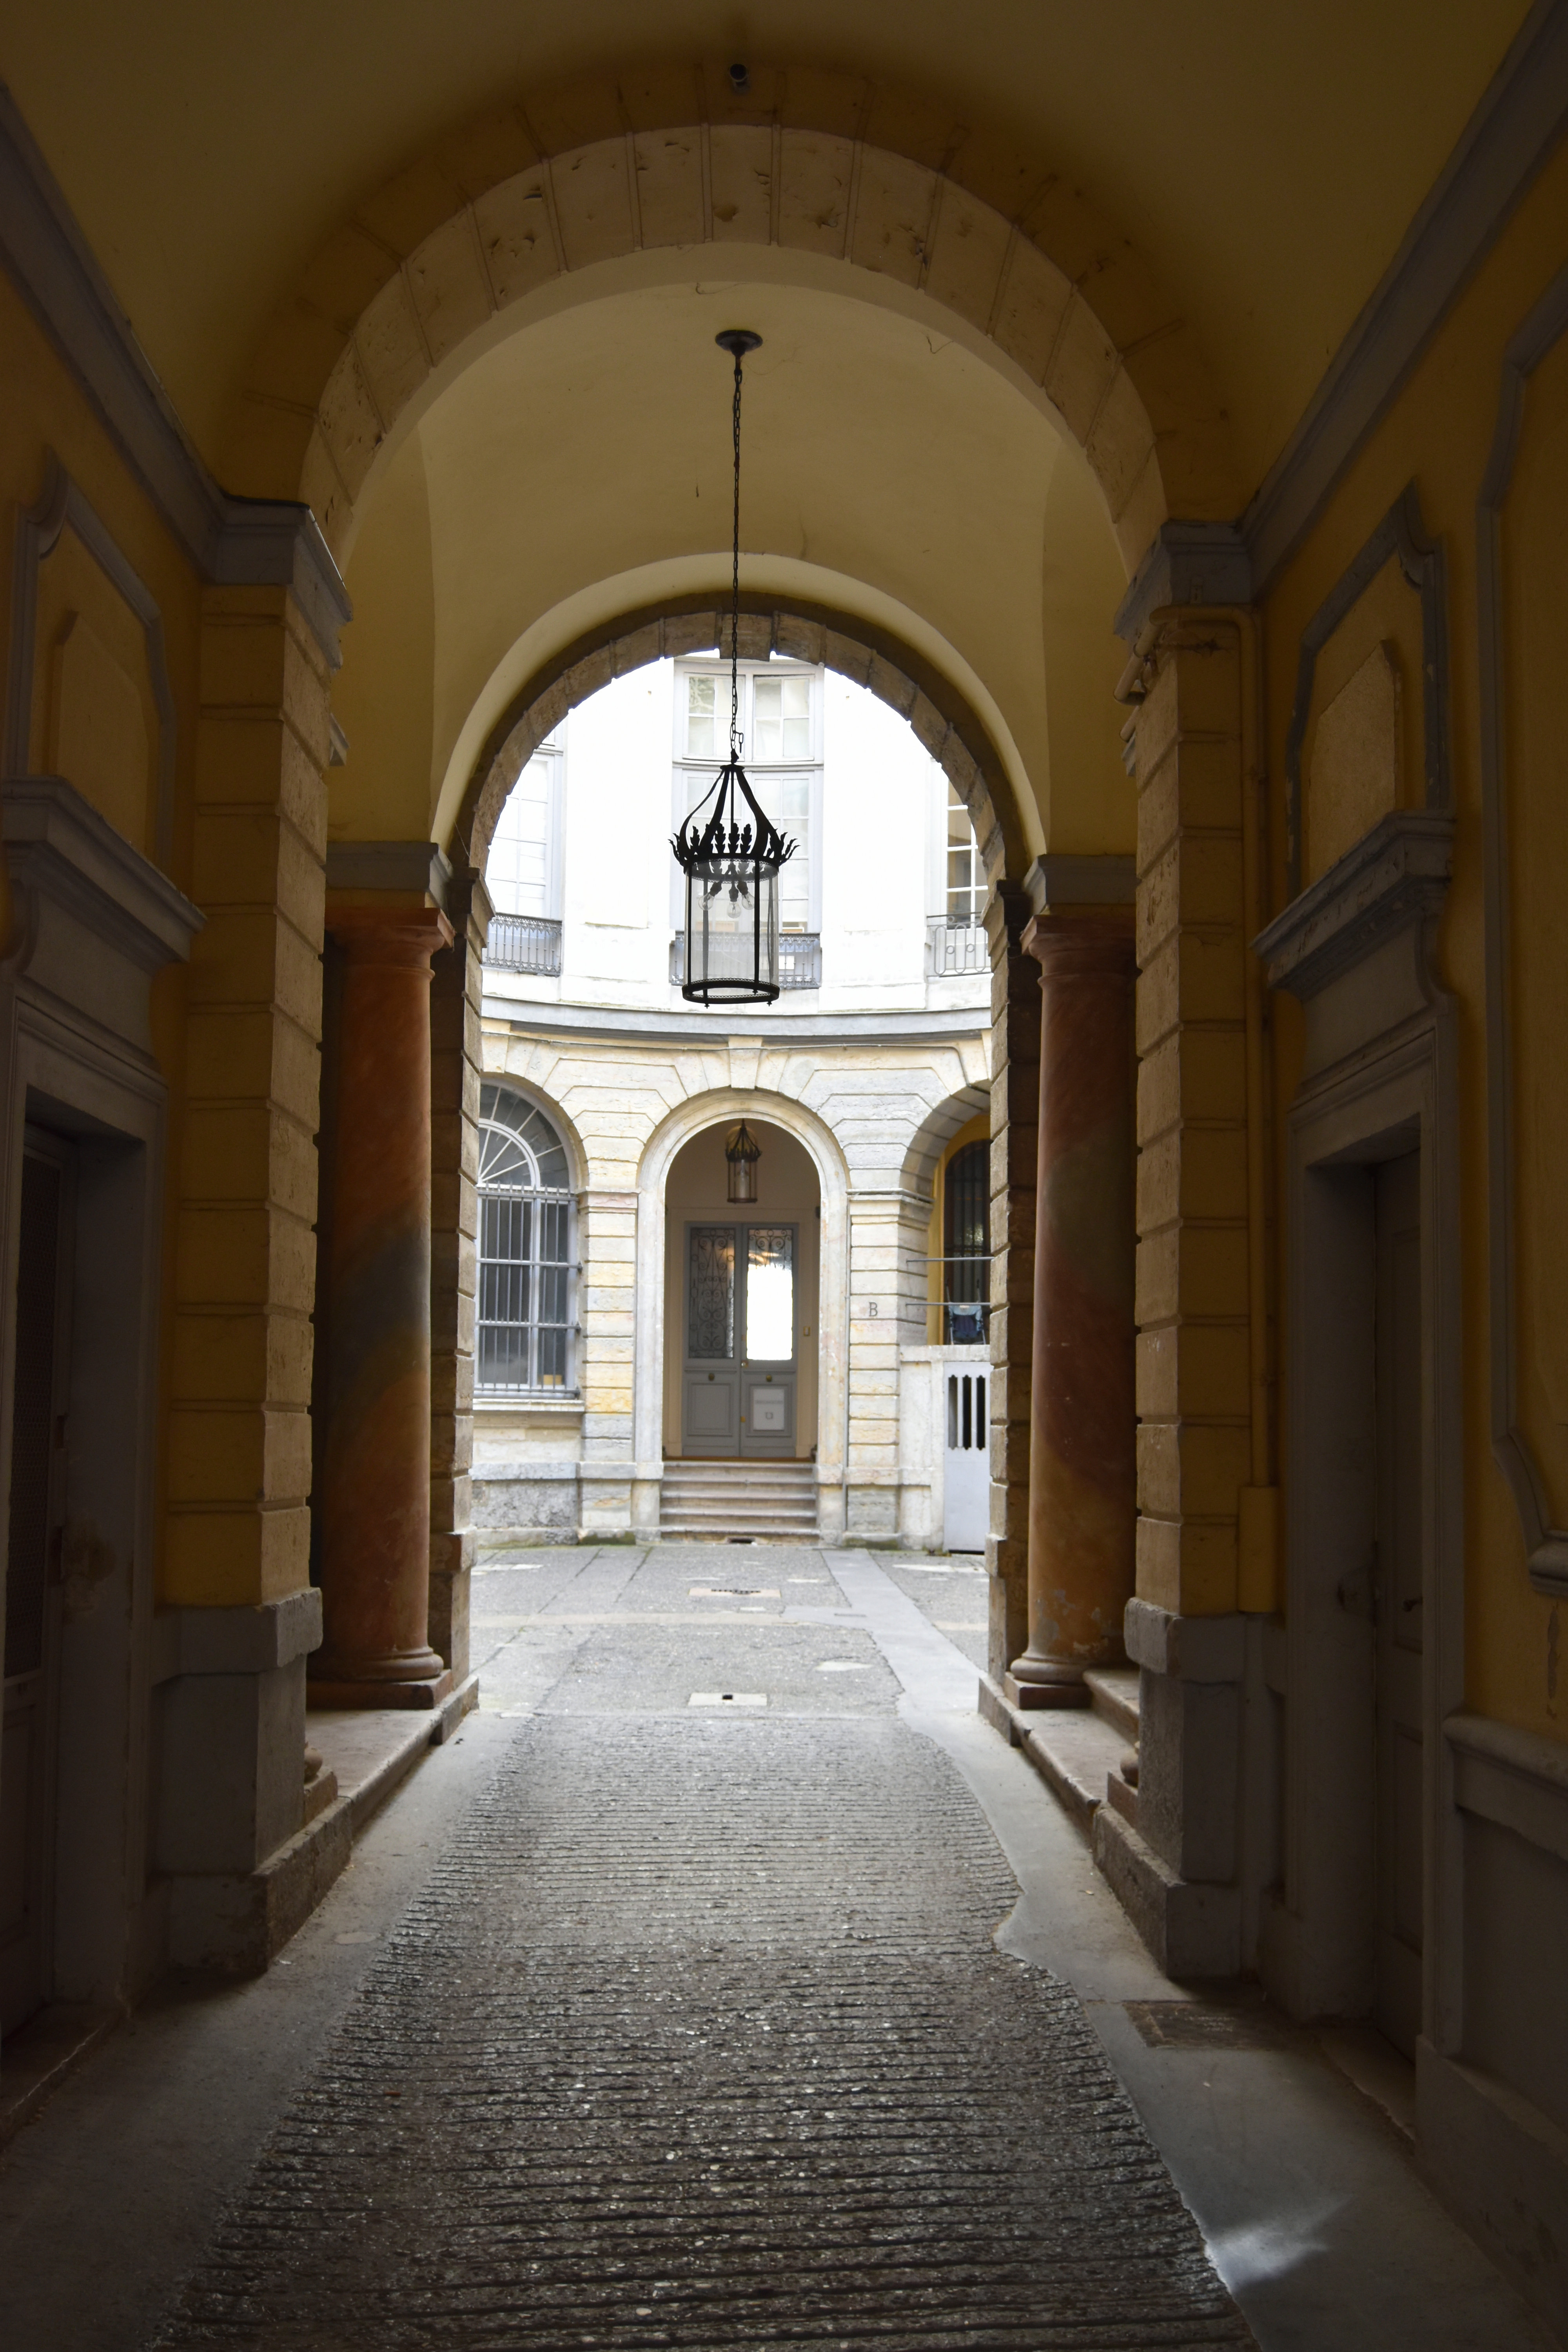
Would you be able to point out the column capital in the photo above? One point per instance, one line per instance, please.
(1082, 943)
(389, 935)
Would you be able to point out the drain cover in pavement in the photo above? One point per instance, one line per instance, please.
(728, 1698)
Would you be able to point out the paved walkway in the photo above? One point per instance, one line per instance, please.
(635, 2022)
(700, 2038)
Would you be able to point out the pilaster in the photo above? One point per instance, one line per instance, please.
(239, 1476)
(1014, 1150)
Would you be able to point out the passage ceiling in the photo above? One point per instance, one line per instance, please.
(1265, 159)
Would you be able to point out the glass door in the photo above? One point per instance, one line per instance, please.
(738, 1389)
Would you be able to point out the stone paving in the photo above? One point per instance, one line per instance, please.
(699, 2037)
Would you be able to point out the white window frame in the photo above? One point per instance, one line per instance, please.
(541, 1196)
(553, 750)
(758, 771)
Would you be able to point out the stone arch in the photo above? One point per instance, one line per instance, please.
(723, 1106)
(943, 720)
(813, 163)
(935, 1133)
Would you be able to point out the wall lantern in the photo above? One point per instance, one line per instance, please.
(727, 850)
(742, 1151)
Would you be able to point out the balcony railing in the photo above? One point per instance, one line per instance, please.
(524, 944)
(800, 959)
(953, 950)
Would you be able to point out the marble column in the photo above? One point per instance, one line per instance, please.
(373, 1495)
(1082, 1485)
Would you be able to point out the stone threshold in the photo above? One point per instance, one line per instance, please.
(1077, 1751)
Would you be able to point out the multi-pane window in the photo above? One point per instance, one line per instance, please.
(526, 1221)
(777, 719)
(965, 893)
(522, 871)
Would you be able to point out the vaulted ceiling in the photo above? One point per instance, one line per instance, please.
(1265, 159)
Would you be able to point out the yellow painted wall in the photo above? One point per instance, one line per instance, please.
(43, 409)
(1439, 432)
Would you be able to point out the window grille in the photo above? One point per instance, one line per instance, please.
(524, 944)
(527, 1337)
(800, 959)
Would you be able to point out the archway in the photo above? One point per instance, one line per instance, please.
(653, 1439)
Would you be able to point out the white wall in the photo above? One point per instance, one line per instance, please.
(882, 820)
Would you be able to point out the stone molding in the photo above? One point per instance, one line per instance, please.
(1059, 880)
(60, 852)
(1185, 1649)
(63, 506)
(244, 1641)
(233, 543)
(1400, 535)
(414, 868)
(1547, 1546)
(682, 1030)
(1506, 142)
(1513, 1778)
(1202, 563)
(1395, 878)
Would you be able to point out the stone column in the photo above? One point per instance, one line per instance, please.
(374, 1498)
(456, 1070)
(1015, 1104)
(1082, 1501)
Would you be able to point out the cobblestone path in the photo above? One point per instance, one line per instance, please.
(698, 2038)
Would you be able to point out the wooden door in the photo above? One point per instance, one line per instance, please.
(32, 1595)
(710, 1388)
(1400, 1603)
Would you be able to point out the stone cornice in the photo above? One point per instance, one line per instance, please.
(234, 542)
(59, 846)
(1396, 875)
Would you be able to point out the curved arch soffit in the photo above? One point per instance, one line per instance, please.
(722, 1107)
(944, 720)
(933, 1135)
(451, 255)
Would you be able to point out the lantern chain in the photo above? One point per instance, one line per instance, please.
(735, 583)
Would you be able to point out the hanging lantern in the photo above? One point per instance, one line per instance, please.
(729, 851)
(742, 1151)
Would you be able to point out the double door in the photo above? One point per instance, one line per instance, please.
(739, 1378)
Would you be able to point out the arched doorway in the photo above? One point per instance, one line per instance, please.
(742, 1291)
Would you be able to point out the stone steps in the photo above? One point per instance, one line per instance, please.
(710, 1502)
(1079, 1752)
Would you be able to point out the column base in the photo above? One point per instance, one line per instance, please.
(1026, 1694)
(428, 1693)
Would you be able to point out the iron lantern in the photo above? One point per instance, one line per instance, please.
(742, 1153)
(729, 850)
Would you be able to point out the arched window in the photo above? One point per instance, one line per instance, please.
(526, 1249)
(966, 1243)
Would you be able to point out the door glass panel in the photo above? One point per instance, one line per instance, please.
(770, 1295)
(712, 1326)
